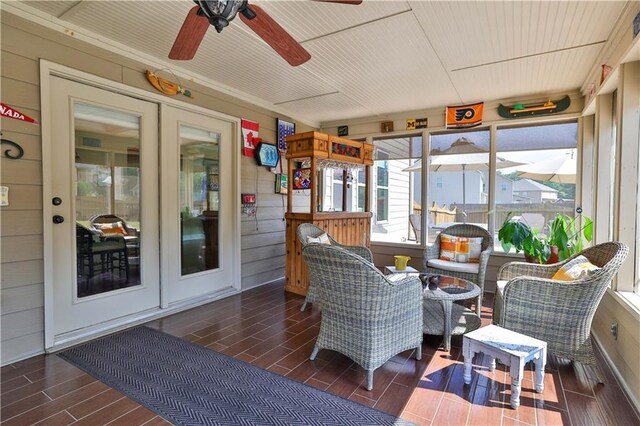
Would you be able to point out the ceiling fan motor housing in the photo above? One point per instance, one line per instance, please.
(221, 12)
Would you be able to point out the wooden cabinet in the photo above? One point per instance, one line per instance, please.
(347, 228)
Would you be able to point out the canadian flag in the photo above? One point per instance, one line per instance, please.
(249, 135)
(9, 112)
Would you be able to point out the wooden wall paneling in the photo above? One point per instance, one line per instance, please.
(22, 126)
(20, 222)
(16, 274)
(19, 248)
(19, 68)
(22, 323)
(30, 143)
(21, 171)
(23, 197)
(23, 346)
(23, 298)
(19, 94)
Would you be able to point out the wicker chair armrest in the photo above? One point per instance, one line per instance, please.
(541, 299)
(361, 251)
(406, 293)
(512, 270)
(431, 252)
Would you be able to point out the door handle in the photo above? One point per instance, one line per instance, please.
(58, 219)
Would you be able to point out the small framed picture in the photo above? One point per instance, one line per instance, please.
(281, 184)
(285, 129)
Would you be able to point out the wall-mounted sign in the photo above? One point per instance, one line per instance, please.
(7, 111)
(267, 154)
(416, 123)
(463, 116)
(343, 130)
(285, 128)
(249, 133)
(386, 126)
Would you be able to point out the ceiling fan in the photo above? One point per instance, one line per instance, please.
(220, 12)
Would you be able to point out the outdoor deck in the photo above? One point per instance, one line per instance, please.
(265, 327)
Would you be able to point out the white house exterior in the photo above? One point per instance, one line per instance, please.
(534, 192)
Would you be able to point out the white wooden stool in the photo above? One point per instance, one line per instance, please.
(512, 349)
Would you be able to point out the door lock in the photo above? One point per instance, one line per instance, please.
(58, 219)
(56, 201)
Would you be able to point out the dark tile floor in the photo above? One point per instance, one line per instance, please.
(265, 327)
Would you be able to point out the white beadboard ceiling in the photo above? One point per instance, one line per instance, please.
(378, 58)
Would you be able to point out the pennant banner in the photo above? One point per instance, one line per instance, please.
(463, 116)
(9, 112)
(249, 134)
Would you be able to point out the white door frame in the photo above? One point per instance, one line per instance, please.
(49, 69)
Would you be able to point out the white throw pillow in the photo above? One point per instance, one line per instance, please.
(321, 239)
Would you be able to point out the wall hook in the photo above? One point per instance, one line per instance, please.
(14, 146)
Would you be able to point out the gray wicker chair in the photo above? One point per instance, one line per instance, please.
(309, 230)
(365, 316)
(528, 301)
(432, 252)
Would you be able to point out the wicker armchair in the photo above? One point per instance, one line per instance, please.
(432, 264)
(306, 230)
(528, 301)
(365, 316)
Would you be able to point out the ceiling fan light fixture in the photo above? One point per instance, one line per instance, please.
(221, 12)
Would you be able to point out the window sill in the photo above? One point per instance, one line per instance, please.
(629, 300)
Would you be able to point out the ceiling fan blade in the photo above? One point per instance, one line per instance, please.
(191, 34)
(276, 37)
(353, 2)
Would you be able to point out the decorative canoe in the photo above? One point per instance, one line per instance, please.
(165, 86)
(549, 107)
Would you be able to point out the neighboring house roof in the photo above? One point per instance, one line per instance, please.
(531, 185)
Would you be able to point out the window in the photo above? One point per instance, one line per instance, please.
(459, 166)
(536, 170)
(382, 189)
(396, 188)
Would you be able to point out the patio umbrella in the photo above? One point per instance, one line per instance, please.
(462, 155)
(561, 169)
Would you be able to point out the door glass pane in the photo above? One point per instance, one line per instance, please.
(199, 199)
(107, 185)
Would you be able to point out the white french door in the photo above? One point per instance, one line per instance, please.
(104, 258)
(199, 205)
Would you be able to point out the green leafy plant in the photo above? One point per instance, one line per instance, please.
(563, 234)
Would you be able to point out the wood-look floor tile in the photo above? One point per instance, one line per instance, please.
(609, 396)
(584, 410)
(137, 416)
(553, 395)
(297, 357)
(40, 385)
(415, 419)
(61, 419)
(412, 371)
(278, 370)
(157, 421)
(487, 405)
(526, 413)
(245, 357)
(393, 399)
(424, 402)
(302, 338)
(347, 383)
(317, 384)
(109, 413)
(307, 369)
(362, 400)
(241, 346)
(69, 386)
(23, 405)
(268, 357)
(53, 407)
(334, 369)
(94, 403)
(451, 412)
(574, 378)
(15, 383)
(268, 344)
(552, 417)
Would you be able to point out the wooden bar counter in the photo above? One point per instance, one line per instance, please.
(347, 228)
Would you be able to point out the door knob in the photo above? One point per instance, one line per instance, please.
(58, 219)
(56, 201)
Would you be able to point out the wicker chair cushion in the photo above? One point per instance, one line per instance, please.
(321, 239)
(116, 228)
(470, 268)
(460, 249)
(576, 269)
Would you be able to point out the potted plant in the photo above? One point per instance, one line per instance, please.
(562, 241)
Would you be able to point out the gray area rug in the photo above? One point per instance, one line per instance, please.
(188, 384)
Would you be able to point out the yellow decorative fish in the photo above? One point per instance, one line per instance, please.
(165, 86)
